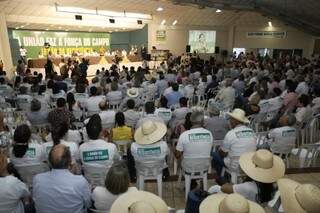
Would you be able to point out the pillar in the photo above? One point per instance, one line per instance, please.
(5, 51)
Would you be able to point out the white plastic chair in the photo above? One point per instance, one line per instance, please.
(27, 172)
(261, 137)
(123, 144)
(307, 154)
(195, 168)
(283, 151)
(150, 170)
(235, 172)
(96, 175)
(216, 144)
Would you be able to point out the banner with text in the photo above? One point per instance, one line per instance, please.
(63, 43)
(267, 34)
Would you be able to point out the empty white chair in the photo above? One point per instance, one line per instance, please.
(123, 145)
(95, 175)
(150, 170)
(307, 154)
(27, 172)
(195, 168)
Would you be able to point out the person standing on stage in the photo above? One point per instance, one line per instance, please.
(23, 54)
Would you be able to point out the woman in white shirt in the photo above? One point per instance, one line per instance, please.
(117, 183)
(12, 190)
(263, 169)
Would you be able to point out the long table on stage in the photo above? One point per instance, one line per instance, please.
(40, 62)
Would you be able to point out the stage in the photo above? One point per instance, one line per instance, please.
(94, 67)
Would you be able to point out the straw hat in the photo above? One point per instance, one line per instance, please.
(299, 198)
(232, 203)
(133, 92)
(150, 132)
(137, 202)
(239, 115)
(262, 166)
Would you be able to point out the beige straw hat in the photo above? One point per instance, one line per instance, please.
(139, 202)
(232, 203)
(150, 132)
(133, 92)
(239, 115)
(262, 166)
(299, 198)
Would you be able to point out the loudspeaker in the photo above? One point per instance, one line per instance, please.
(217, 50)
(148, 57)
(111, 20)
(139, 21)
(188, 48)
(224, 53)
(78, 17)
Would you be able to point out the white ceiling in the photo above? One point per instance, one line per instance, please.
(41, 14)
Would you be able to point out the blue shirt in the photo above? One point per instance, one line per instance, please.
(173, 98)
(60, 191)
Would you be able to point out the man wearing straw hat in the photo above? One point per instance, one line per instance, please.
(240, 139)
(148, 141)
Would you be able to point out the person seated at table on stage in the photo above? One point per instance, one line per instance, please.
(124, 53)
(95, 53)
(107, 53)
(74, 53)
(87, 53)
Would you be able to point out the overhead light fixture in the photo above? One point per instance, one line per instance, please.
(270, 24)
(66, 30)
(59, 28)
(22, 26)
(17, 28)
(111, 20)
(47, 29)
(159, 9)
(174, 22)
(163, 22)
(90, 30)
(218, 11)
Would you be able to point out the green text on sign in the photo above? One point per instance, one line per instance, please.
(96, 155)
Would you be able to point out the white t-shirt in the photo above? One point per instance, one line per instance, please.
(195, 143)
(164, 113)
(302, 88)
(93, 103)
(73, 147)
(103, 199)
(303, 114)
(98, 153)
(11, 192)
(227, 96)
(114, 97)
(34, 155)
(281, 138)
(239, 140)
(72, 135)
(249, 190)
(157, 150)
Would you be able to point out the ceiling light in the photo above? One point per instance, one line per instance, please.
(124, 28)
(59, 28)
(117, 30)
(270, 24)
(218, 11)
(47, 29)
(175, 22)
(110, 31)
(90, 30)
(159, 9)
(17, 28)
(66, 30)
(163, 22)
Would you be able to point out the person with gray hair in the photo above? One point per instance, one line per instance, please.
(196, 142)
(227, 94)
(217, 125)
(36, 116)
(59, 190)
(283, 138)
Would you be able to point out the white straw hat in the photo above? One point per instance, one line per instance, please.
(262, 166)
(239, 115)
(133, 92)
(150, 132)
(299, 198)
(139, 202)
(232, 203)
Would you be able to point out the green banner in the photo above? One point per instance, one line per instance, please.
(61, 43)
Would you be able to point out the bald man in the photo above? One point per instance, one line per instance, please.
(59, 190)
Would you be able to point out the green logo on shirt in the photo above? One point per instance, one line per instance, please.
(244, 134)
(289, 133)
(197, 137)
(31, 152)
(164, 114)
(96, 155)
(149, 152)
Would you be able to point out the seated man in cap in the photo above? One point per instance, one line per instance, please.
(196, 142)
(218, 126)
(97, 152)
(240, 139)
(59, 190)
